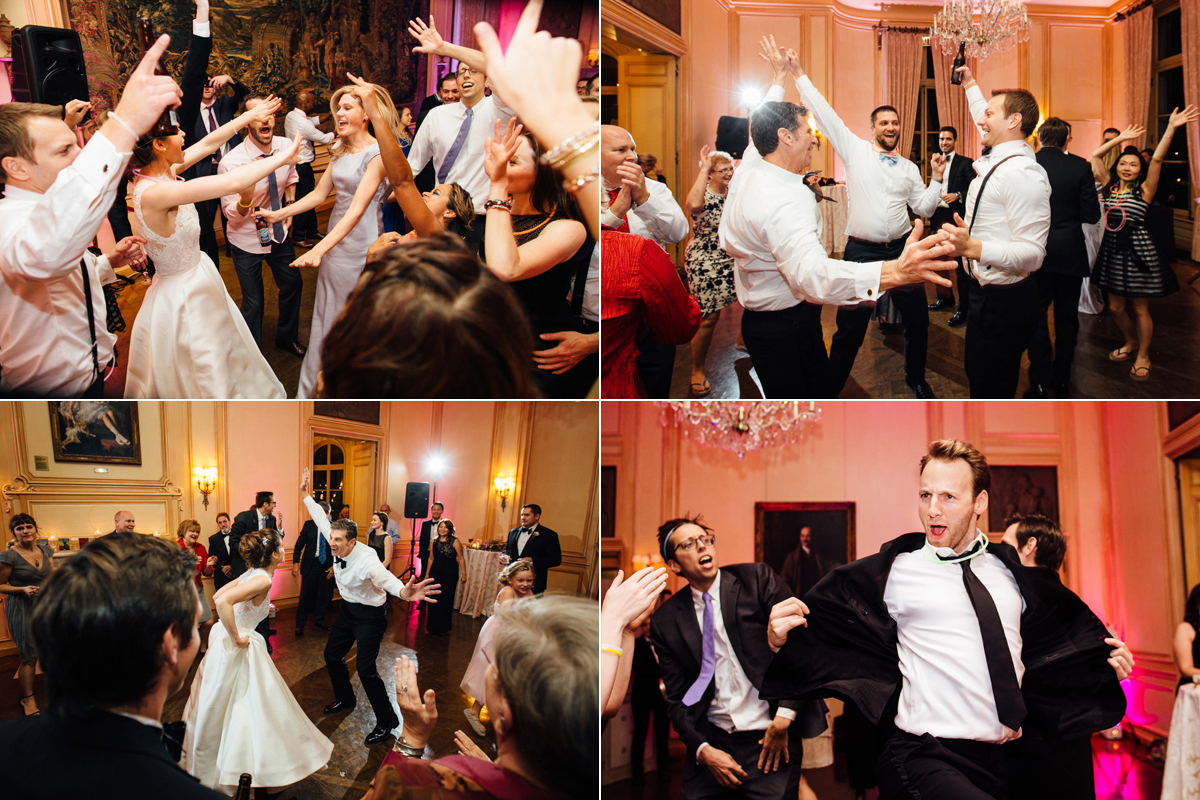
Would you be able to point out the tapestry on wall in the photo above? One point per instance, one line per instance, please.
(271, 46)
(96, 432)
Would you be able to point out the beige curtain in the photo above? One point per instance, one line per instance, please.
(1191, 94)
(1138, 62)
(902, 56)
(952, 104)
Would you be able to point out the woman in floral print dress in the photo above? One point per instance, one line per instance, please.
(709, 268)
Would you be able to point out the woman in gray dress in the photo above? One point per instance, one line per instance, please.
(23, 568)
(357, 174)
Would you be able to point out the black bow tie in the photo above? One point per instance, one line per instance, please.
(172, 738)
(525, 530)
(341, 562)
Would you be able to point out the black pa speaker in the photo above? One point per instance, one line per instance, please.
(47, 66)
(733, 135)
(416, 501)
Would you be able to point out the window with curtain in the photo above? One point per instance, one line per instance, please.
(1166, 95)
(925, 133)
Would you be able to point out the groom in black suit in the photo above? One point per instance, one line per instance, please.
(110, 668)
(536, 543)
(259, 518)
(312, 565)
(737, 744)
(960, 171)
(428, 527)
(219, 546)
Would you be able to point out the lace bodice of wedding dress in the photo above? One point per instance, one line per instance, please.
(247, 615)
(181, 250)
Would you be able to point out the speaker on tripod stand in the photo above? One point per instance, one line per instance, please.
(416, 506)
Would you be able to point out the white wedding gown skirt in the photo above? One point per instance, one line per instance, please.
(242, 717)
(189, 339)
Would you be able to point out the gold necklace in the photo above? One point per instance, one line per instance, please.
(543, 222)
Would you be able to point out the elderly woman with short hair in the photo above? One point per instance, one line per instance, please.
(543, 696)
(23, 568)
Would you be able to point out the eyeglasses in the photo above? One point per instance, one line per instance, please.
(687, 545)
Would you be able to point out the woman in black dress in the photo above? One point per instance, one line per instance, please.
(23, 569)
(445, 567)
(378, 539)
(1187, 642)
(535, 241)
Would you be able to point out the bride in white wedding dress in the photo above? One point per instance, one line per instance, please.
(241, 716)
(189, 339)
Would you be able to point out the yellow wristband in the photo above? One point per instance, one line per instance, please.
(245, 205)
(618, 652)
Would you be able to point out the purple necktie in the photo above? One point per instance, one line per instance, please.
(277, 231)
(459, 141)
(708, 660)
(212, 126)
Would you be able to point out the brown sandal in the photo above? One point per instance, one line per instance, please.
(1121, 354)
(1145, 376)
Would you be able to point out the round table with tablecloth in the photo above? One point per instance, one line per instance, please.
(1181, 774)
(833, 219)
(476, 596)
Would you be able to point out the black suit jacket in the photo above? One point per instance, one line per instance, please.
(306, 551)
(216, 547)
(961, 173)
(423, 542)
(748, 591)
(105, 757)
(848, 649)
(1073, 202)
(224, 109)
(428, 104)
(543, 549)
(243, 523)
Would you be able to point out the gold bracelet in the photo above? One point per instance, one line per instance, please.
(568, 144)
(573, 187)
(561, 161)
(582, 154)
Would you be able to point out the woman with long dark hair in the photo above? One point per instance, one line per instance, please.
(1128, 265)
(446, 569)
(1187, 642)
(23, 568)
(535, 240)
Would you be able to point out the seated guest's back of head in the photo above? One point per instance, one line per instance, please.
(427, 320)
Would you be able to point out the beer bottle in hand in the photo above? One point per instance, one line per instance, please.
(168, 123)
(243, 790)
(264, 230)
(960, 60)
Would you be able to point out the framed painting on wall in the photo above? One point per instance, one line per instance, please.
(1022, 490)
(354, 410)
(803, 541)
(95, 432)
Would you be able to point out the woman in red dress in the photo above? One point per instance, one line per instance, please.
(189, 539)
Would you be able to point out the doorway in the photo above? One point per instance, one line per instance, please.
(343, 472)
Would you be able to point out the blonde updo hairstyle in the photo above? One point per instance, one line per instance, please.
(512, 570)
(257, 548)
(386, 107)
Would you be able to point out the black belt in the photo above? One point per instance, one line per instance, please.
(888, 243)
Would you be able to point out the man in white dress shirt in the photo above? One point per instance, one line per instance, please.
(54, 339)
(298, 121)
(770, 226)
(881, 186)
(1003, 240)
(453, 135)
(937, 641)
(364, 585)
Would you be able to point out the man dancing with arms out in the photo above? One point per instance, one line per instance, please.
(364, 585)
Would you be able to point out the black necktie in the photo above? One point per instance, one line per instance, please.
(172, 738)
(1010, 705)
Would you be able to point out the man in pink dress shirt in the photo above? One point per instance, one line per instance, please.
(273, 191)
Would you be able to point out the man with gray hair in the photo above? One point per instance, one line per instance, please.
(123, 522)
(312, 565)
(364, 585)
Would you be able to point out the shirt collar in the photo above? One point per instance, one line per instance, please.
(946, 555)
(16, 193)
(714, 591)
(1005, 149)
(150, 723)
(780, 172)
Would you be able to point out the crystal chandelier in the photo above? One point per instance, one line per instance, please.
(742, 426)
(1002, 23)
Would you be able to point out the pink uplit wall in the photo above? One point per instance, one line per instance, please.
(1114, 494)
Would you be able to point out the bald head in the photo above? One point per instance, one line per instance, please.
(616, 148)
(123, 522)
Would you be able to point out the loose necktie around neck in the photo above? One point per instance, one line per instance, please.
(456, 147)
(320, 547)
(708, 659)
(1010, 704)
(277, 232)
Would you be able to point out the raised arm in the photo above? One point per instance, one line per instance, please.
(976, 103)
(1178, 119)
(694, 202)
(1099, 169)
(831, 125)
(399, 172)
(315, 512)
(432, 43)
(923, 200)
(169, 194)
(363, 196)
(195, 68)
(212, 143)
(307, 203)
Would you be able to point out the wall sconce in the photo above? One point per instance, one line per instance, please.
(206, 482)
(504, 487)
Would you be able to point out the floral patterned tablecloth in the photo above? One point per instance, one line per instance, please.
(1181, 775)
(477, 595)
(833, 220)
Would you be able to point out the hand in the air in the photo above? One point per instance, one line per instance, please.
(423, 590)
(427, 35)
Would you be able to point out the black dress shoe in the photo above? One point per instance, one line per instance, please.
(272, 631)
(299, 631)
(890, 327)
(337, 707)
(295, 348)
(322, 626)
(1036, 391)
(958, 318)
(921, 388)
(1062, 389)
(301, 243)
(379, 734)
(940, 304)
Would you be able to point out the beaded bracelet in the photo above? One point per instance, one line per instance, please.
(505, 205)
(573, 187)
(567, 145)
(577, 152)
